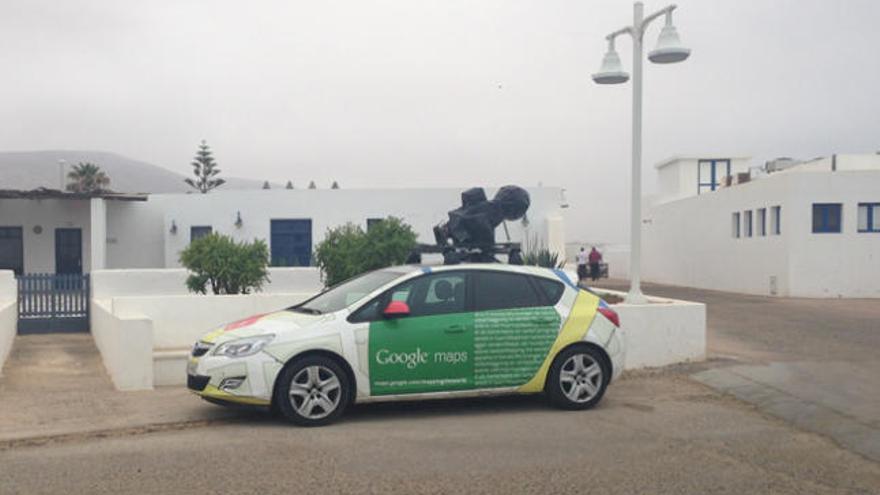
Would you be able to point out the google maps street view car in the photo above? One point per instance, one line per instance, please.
(413, 332)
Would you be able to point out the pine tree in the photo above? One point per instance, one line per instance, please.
(205, 169)
(312, 185)
(289, 185)
(335, 185)
(266, 185)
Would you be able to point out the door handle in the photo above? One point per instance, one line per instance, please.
(454, 329)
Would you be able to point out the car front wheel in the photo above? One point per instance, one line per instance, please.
(578, 378)
(313, 391)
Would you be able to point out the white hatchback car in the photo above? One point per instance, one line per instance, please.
(412, 332)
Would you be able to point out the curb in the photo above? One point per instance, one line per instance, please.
(62, 438)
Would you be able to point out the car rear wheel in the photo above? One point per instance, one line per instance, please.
(578, 378)
(314, 391)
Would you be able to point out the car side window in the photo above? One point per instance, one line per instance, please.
(434, 294)
(552, 289)
(503, 290)
(368, 312)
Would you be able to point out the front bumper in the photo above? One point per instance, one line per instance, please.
(208, 376)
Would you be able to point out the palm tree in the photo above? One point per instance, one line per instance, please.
(87, 178)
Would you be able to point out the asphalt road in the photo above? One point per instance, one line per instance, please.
(655, 432)
(811, 362)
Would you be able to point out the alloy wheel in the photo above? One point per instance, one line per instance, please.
(580, 378)
(315, 392)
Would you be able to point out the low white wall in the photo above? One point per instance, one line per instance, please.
(8, 314)
(126, 345)
(178, 321)
(664, 332)
(107, 284)
(144, 321)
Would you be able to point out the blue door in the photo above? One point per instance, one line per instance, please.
(68, 251)
(291, 242)
(11, 250)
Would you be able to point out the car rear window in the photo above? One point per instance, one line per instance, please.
(501, 290)
(552, 289)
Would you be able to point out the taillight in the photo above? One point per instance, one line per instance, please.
(610, 314)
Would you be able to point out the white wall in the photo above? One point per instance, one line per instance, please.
(678, 177)
(664, 332)
(145, 321)
(135, 235)
(49, 214)
(8, 314)
(126, 346)
(689, 242)
(107, 284)
(178, 321)
(421, 208)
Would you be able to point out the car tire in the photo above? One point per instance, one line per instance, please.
(312, 391)
(578, 378)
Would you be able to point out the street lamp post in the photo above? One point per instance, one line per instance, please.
(668, 51)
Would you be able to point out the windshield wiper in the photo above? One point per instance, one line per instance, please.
(308, 311)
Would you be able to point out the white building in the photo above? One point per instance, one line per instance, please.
(810, 230)
(48, 231)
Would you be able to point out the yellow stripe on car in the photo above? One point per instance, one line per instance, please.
(215, 393)
(573, 330)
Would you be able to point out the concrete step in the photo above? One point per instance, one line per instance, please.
(169, 367)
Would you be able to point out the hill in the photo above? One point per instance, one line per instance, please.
(32, 169)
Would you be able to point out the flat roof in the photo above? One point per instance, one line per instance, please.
(44, 193)
(708, 156)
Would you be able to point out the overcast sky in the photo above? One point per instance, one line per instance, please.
(436, 93)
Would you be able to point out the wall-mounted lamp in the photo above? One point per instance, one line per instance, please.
(173, 228)
(238, 221)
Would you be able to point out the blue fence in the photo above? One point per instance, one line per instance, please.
(49, 303)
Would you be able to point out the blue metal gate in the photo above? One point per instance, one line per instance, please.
(50, 303)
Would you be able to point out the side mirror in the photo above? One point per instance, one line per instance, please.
(396, 309)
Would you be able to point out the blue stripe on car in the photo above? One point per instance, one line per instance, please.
(562, 276)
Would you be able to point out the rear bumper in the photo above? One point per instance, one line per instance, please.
(616, 350)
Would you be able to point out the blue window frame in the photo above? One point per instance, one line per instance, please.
(776, 220)
(371, 222)
(199, 231)
(762, 222)
(827, 218)
(869, 217)
(709, 174)
(291, 242)
(747, 221)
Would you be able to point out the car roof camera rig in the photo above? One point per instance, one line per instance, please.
(469, 234)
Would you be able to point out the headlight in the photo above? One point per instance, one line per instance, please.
(243, 347)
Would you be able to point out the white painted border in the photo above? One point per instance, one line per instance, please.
(8, 313)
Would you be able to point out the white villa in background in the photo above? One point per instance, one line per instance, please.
(47, 231)
(798, 229)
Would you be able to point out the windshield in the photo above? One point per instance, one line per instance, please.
(347, 293)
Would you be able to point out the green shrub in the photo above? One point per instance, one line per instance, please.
(536, 254)
(347, 250)
(229, 267)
